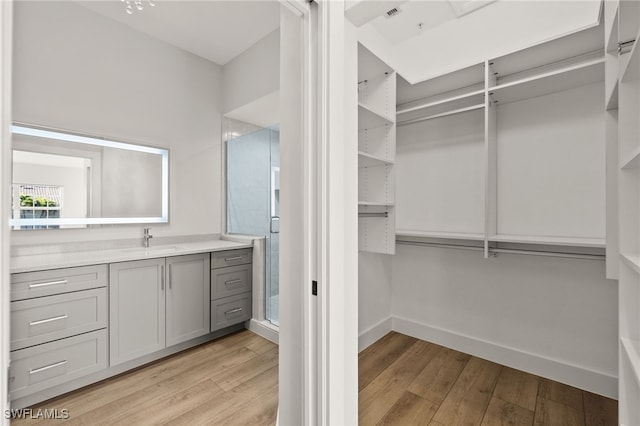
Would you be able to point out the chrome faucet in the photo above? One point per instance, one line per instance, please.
(147, 236)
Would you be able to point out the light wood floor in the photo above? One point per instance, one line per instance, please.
(230, 381)
(403, 381)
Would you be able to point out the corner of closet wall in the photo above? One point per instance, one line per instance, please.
(376, 85)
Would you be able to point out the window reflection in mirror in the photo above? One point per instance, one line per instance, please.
(65, 180)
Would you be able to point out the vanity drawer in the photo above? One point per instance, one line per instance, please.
(43, 366)
(50, 318)
(229, 281)
(56, 281)
(222, 259)
(230, 310)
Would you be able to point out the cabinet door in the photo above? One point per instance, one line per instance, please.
(187, 297)
(136, 309)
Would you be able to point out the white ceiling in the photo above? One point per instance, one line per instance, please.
(215, 30)
(417, 16)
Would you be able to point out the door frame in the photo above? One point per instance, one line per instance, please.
(6, 37)
(319, 333)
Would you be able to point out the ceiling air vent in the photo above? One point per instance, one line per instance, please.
(392, 12)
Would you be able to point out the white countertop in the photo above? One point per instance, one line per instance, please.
(29, 263)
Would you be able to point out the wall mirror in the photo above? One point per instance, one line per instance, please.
(68, 180)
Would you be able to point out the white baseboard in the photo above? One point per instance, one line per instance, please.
(560, 371)
(265, 329)
(374, 333)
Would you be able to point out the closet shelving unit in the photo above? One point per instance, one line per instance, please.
(376, 154)
(456, 96)
(553, 67)
(626, 14)
(473, 97)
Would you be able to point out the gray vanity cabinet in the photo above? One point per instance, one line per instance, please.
(187, 297)
(136, 309)
(58, 327)
(157, 303)
(230, 287)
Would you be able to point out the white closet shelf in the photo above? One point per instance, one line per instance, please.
(370, 66)
(367, 160)
(442, 114)
(368, 118)
(376, 203)
(631, 349)
(631, 260)
(631, 70)
(553, 241)
(442, 102)
(554, 81)
(443, 235)
(612, 98)
(633, 161)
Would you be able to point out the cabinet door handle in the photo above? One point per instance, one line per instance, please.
(229, 259)
(162, 277)
(41, 369)
(36, 285)
(232, 282)
(61, 317)
(233, 311)
(170, 276)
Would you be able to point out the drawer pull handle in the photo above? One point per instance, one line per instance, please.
(61, 317)
(41, 369)
(229, 259)
(232, 282)
(162, 277)
(36, 285)
(233, 311)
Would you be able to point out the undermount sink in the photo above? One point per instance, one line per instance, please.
(147, 251)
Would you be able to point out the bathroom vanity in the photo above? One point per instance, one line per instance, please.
(80, 317)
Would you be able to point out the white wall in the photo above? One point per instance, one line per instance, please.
(551, 165)
(76, 70)
(253, 74)
(549, 316)
(374, 297)
(440, 174)
(503, 27)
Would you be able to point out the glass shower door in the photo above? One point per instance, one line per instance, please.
(253, 195)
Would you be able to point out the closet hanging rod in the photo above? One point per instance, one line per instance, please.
(506, 251)
(625, 45)
(373, 214)
(442, 114)
(442, 101)
(440, 245)
(549, 254)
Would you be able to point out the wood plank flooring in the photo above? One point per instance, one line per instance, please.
(233, 380)
(406, 381)
(402, 381)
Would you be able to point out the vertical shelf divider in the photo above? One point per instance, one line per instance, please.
(490, 144)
